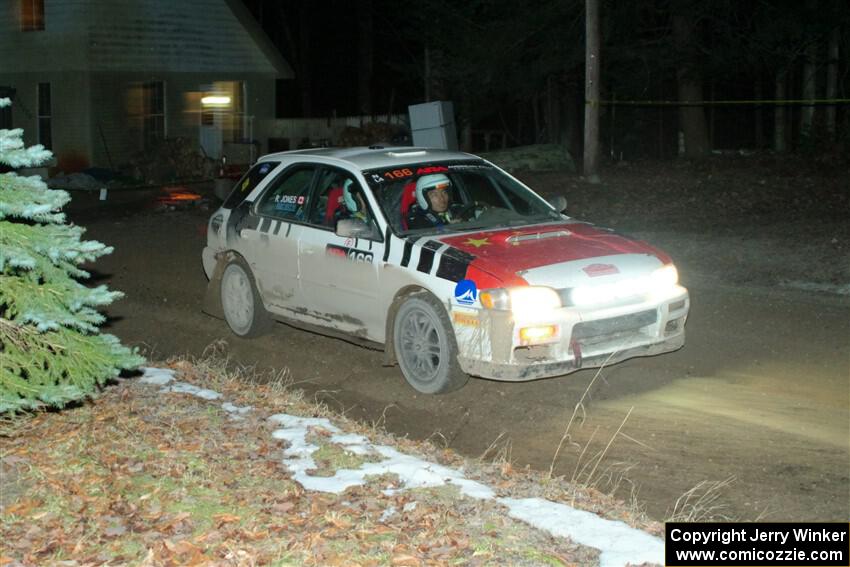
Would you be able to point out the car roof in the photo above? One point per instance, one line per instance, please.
(374, 157)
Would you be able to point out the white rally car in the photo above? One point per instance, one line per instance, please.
(501, 286)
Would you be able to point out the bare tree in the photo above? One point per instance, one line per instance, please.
(809, 90)
(832, 81)
(691, 116)
(779, 135)
(365, 56)
(591, 92)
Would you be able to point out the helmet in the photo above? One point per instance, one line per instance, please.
(428, 182)
(348, 190)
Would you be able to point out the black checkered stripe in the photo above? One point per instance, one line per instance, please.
(434, 257)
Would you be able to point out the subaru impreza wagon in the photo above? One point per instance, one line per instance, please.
(499, 284)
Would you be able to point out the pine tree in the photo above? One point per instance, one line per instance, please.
(51, 351)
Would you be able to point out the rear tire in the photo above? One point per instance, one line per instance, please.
(425, 346)
(243, 309)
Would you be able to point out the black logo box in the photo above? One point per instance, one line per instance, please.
(767, 543)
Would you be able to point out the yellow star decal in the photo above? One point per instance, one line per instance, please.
(477, 242)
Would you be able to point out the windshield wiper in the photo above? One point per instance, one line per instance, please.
(464, 227)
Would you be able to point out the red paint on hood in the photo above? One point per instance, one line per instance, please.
(503, 253)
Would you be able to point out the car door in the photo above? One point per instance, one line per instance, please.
(339, 275)
(281, 212)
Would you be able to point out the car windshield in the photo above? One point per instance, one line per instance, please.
(479, 197)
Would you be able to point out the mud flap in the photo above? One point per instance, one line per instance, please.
(212, 298)
(576, 348)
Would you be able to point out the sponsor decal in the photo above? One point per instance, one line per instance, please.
(477, 242)
(596, 270)
(466, 293)
(432, 169)
(465, 319)
(349, 242)
(288, 199)
(245, 184)
(351, 254)
(301, 200)
(264, 169)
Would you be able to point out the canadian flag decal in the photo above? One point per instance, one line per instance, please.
(596, 270)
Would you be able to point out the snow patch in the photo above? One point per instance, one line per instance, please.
(618, 543)
(185, 388)
(157, 376)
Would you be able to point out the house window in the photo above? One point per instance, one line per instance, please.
(153, 113)
(32, 15)
(45, 126)
(223, 105)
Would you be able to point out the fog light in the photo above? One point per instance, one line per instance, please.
(538, 334)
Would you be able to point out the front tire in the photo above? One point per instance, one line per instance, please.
(425, 346)
(243, 309)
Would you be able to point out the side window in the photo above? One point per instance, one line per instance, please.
(335, 202)
(288, 197)
(250, 180)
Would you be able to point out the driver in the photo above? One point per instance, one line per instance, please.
(433, 206)
(354, 204)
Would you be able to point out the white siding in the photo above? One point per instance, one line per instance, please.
(61, 46)
(72, 141)
(92, 51)
(132, 35)
(165, 35)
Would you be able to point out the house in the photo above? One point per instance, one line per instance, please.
(98, 81)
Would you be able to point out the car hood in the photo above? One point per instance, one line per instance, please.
(556, 254)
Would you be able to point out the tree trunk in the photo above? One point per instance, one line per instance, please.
(832, 83)
(305, 80)
(553, 126)
(711, 116)
(427, 73)
(779, 136)
(759, 95)
(591, 92)
(535, 110)
(807, 111)
(692, 121)
(364, 57)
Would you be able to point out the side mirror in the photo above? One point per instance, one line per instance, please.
(559, 203)
(353, 228)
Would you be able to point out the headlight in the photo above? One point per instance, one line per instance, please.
(525, 301)
(659, 282)
(533, 300)
(665, 277)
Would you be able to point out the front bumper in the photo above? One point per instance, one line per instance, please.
(491, 348)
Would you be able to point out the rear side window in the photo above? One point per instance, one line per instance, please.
(250, 180)
(288, 196)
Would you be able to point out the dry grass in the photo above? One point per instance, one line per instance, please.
(702, 503)
(144, 478)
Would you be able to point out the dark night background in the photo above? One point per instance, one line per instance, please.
(518, 71)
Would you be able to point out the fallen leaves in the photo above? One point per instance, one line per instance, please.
(142, 478)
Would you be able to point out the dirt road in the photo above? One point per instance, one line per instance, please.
(759, 394)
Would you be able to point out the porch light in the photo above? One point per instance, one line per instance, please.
(215, 100)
